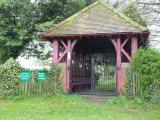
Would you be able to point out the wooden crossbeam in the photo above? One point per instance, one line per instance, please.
(124, 43)
(66, 47)
(124, 51)
(115, 41)
(73, 44)
(63, 54)
(65, 51)
(126, 54)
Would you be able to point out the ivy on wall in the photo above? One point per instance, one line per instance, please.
(146, 63)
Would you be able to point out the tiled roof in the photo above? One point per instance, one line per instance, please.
(94, 19)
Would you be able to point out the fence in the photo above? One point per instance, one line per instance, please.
(35, 84)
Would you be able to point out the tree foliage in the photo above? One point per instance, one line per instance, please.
(131, 11)
(57, 10)
(147, 63)
(9, 78)
(20, 17)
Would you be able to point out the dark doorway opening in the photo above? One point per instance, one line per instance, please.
(93, 67)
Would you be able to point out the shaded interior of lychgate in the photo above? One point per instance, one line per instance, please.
(93, 67)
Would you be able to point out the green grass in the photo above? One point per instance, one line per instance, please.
(109, 84)
(65, 107)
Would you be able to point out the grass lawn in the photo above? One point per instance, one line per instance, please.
(63, 107)
(108, 84)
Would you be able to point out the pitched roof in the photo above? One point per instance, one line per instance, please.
(98, 18)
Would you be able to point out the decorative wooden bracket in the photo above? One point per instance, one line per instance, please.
(66, 47)
(114, 41)
(124, 51)
(65, 51)
(73, 44)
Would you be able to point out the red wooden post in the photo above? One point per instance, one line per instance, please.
(55, 51)
(118, 49)
(134, 45)
(69, 45)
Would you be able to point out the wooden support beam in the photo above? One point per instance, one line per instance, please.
(126, 54)
(114, 43)
(117, 45)
(118, 49)
(65, 51)
(64, 45)
(124, 51)
(124, 43)
(134, 45)
(73, 44)
(69, 45)
(63, 54)
(55, 51)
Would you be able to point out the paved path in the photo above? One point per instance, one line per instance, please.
(97, 99)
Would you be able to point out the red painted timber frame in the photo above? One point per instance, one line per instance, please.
(77, 36)
(119, 47)
(69, 46)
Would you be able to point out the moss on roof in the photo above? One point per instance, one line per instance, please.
(96, 18)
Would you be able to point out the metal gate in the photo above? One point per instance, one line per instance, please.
(105, 77)
(93, 76)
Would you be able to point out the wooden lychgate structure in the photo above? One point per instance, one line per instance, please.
(96, 44)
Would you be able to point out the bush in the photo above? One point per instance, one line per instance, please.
(10, 85)
(51, 85)
(53, 78)
(9, 78)
(147, 64)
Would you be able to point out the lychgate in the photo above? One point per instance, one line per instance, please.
(96, 44)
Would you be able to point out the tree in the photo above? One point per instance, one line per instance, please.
(54, 11)
(18, 18)
(150, 10)
(131, 10)
(51, 12)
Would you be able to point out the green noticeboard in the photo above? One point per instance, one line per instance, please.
(42, 75)
(25, 76)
